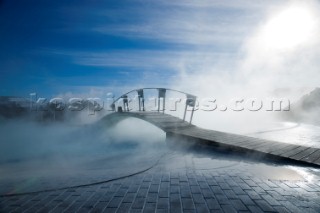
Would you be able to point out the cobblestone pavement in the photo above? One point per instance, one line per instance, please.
(188, 182)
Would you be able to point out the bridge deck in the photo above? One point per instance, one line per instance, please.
(176, 127)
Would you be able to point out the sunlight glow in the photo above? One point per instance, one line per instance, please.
(289, 28)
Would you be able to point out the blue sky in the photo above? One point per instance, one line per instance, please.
(56, 47)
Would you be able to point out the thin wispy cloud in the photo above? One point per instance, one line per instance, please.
(179, 23)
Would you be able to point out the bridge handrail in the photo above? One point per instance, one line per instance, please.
(191, 99)
(150, 88)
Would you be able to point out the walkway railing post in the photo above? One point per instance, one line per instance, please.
(161, 94)
(141, 99)
(191, 101)
(185, 111)
(192, 113)
(125, 103)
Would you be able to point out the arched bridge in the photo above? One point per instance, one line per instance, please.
(160, 97)
(133, 104)
(182, 130)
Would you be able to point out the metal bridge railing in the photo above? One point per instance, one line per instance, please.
(190, 101)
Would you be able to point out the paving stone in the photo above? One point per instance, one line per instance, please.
(222, 199)
(185, 193)
(250, 182)
(165, 178)
(150, 207)
(276, 195)
(259, 190)
(230, 194)
(198, 198)
(307, 188)
(212, 203)
(129, 197)
(238, 191)
(152, 197)
(142, 192)
(290, 206)
(228, 209)
(154, 188)
(100, 206)
(264, 206)
(134, 188)
(203, 185)
(175, 203)
(244, 186)
(174, 181)
(174, 189)
(163, 203)
(195, 189)
(246, 200)
(164, 193)
(110, 210)
(207, 193)
(145, 185)
(187, 203)
(114, 202)
(238, 205)
(270, 200)
(281, 209)
(255, 209)
(183, 178)
(212, 182)
(310, 210)
(138, 203)
(216, 190)
(124, 207)
(193, 182)
(162, 210)
(202, 208)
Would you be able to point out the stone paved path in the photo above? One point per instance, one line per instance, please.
(188, 182)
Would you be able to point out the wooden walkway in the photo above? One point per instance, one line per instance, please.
(176, 127)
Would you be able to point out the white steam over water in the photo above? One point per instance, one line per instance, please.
(27, 140)
(276, 57)
(36, 156)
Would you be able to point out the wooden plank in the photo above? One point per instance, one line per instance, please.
(271, 147)
(237, 140)
(312, 157)
(247, 142)
(294, 151)
(287, 148)
(265, 143)
(303, 154)
(221, 138)
(224, 139)
(250, 144)
(317, 162)
(260, 143)
(231, 141)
